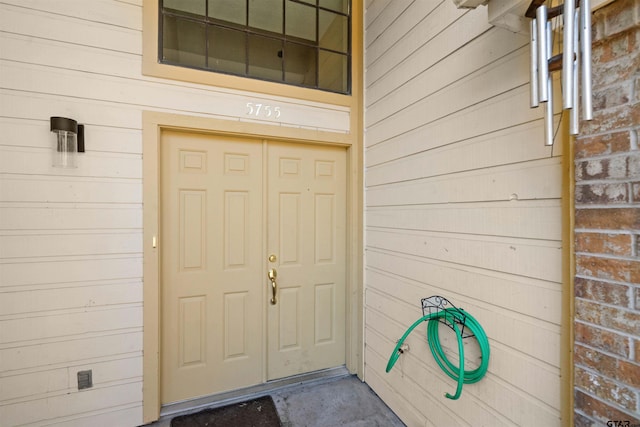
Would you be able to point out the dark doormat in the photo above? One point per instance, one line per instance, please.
(253, 413)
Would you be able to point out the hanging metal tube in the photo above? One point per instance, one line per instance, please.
(574, 121)
(567, 55)
(533, 79)
(585, 37)
(548, 117)
(543, 56)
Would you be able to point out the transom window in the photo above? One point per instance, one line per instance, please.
(298, 42)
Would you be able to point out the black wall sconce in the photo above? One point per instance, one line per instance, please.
(68, 141)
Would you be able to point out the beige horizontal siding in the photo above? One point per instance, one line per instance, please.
(463, 201)
(532, 219)
(51, 298)
(71, 240)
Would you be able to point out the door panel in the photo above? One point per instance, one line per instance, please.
(212, 268)
(216, 295)
(306, 232)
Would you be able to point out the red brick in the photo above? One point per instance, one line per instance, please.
(610, 143)
(607, 168)
(609, 361)
(633, 166)
(599, 194)
(612, 96)
(629, 372)
(618, 167)
(619, 17)
(635, 192)
(600, 410)
(617, 71)
(612, 119)
(606, 389)
(596, 360)
(606, 340)
(608, 218)
(614, 47)
(623, 320)
(597, 26)
(624, 371)
(580, 420)
(592, 169)
(608, 293)
(609, 244)
(619, 270)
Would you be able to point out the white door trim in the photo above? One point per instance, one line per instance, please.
(153, 124)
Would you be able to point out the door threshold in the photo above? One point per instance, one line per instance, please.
(230, 397)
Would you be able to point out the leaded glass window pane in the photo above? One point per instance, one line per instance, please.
(183, 42)
(334, 31)
(337, 5)
(229, 10)
(196, 7)
(298, 42)
(265, 57)
(304, 24)
(300, 65)
(333, 74)
(227, 50)
(266, 15)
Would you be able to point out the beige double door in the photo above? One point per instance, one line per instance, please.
(234, 210)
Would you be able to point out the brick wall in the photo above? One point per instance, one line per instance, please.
(607, 233)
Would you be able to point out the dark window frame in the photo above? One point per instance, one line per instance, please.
(252, 31)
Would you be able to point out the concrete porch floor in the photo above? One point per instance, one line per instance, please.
(342, 401)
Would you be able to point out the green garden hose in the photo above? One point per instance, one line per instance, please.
(451, 316)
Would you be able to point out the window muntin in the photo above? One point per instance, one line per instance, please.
(299, 42)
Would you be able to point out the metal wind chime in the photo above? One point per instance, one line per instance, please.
(576, 57)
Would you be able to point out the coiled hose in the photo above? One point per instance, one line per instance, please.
(450, 316)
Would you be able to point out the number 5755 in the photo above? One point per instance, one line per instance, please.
(264, 110)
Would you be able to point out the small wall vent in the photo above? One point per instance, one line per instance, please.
(85, 379)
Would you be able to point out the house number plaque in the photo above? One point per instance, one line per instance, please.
(255, 109)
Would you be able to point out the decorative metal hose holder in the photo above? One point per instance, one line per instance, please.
(436, 310)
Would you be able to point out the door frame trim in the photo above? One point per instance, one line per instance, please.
(153, 123)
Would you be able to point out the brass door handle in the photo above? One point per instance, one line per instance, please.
(274, 286)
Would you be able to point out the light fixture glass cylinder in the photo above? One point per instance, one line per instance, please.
(65, 142)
